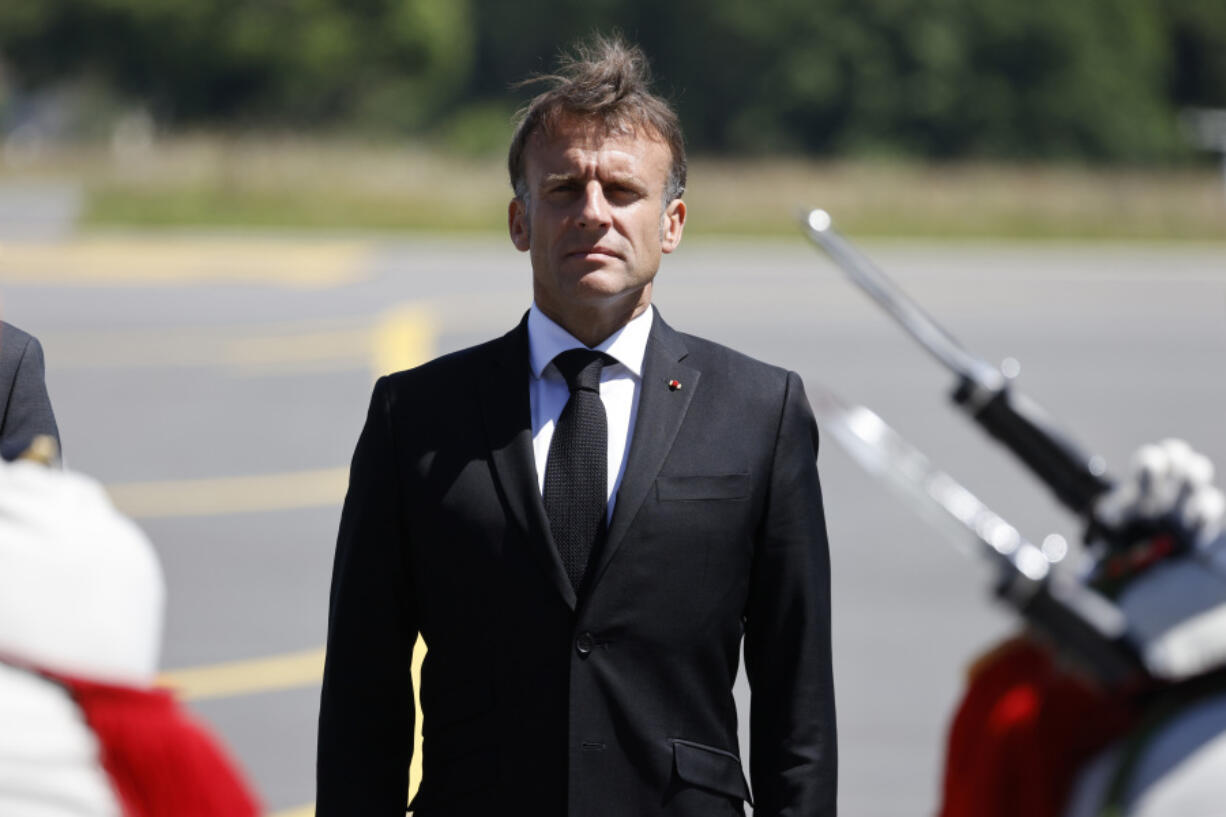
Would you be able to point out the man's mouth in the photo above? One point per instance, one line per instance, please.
(586, 251)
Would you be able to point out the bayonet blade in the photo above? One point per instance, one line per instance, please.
(931, 492)
(914, 320)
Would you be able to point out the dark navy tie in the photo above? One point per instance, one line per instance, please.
(576, 471)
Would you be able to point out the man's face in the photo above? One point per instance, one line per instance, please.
(595, 221)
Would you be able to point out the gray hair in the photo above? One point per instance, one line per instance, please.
(605, 81)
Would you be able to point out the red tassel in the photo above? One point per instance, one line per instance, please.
(160, 761)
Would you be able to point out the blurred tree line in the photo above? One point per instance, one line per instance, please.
(1096, 79)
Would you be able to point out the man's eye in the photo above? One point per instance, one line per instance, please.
(621, 193)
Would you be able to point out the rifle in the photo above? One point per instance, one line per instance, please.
(1086, 624)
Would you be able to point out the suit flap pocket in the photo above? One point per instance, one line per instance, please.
(708, 486)
(710, 768)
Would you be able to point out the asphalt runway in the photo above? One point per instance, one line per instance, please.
(218, 383)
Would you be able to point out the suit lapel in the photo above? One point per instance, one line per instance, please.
(508, 426)
(660, 412)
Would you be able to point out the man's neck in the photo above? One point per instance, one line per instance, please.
(591, 326)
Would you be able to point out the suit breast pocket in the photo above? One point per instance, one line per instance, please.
(692, 547)
(700, 487)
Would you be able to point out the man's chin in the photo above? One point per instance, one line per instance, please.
(598, 280)
(598, 288)
(601, 288)
(594, 264)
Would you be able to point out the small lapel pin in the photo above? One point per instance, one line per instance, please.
(674, 385)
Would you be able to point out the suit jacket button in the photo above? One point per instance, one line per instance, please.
(585, 644)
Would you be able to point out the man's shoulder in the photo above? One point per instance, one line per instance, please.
(15, 346)
(13, 341)
(11, 334)
(717, 358)
(458, 368)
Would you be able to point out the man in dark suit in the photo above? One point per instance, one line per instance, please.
(582, 519)
(26, 410)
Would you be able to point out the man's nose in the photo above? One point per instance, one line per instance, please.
(595, 207)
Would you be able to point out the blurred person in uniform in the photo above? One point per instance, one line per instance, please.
(25, 412)
(83, 730)
(582, 519)
(1036, 737)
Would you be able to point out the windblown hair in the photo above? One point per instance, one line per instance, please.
(605, 82)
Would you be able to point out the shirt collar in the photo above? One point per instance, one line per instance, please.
(546, 340)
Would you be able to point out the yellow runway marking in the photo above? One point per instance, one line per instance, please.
(326, 346)
(300, 263)
(276, 673)
(400, 338)
(269, 674)
(301, 811)
(227, 495)
(345, 347)
(403, 338)
(419, 655)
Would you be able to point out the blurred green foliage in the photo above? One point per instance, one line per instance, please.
(1083, 79)
(382, 64)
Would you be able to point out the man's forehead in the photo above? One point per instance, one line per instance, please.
(573, 142)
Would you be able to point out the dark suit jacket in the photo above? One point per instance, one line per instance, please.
(617, 702)
(26, 407)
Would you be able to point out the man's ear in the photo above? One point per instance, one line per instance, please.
(517, 224)
(674, 224)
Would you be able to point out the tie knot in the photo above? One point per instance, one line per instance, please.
(581, 368)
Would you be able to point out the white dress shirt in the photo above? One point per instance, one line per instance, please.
(619, 388)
